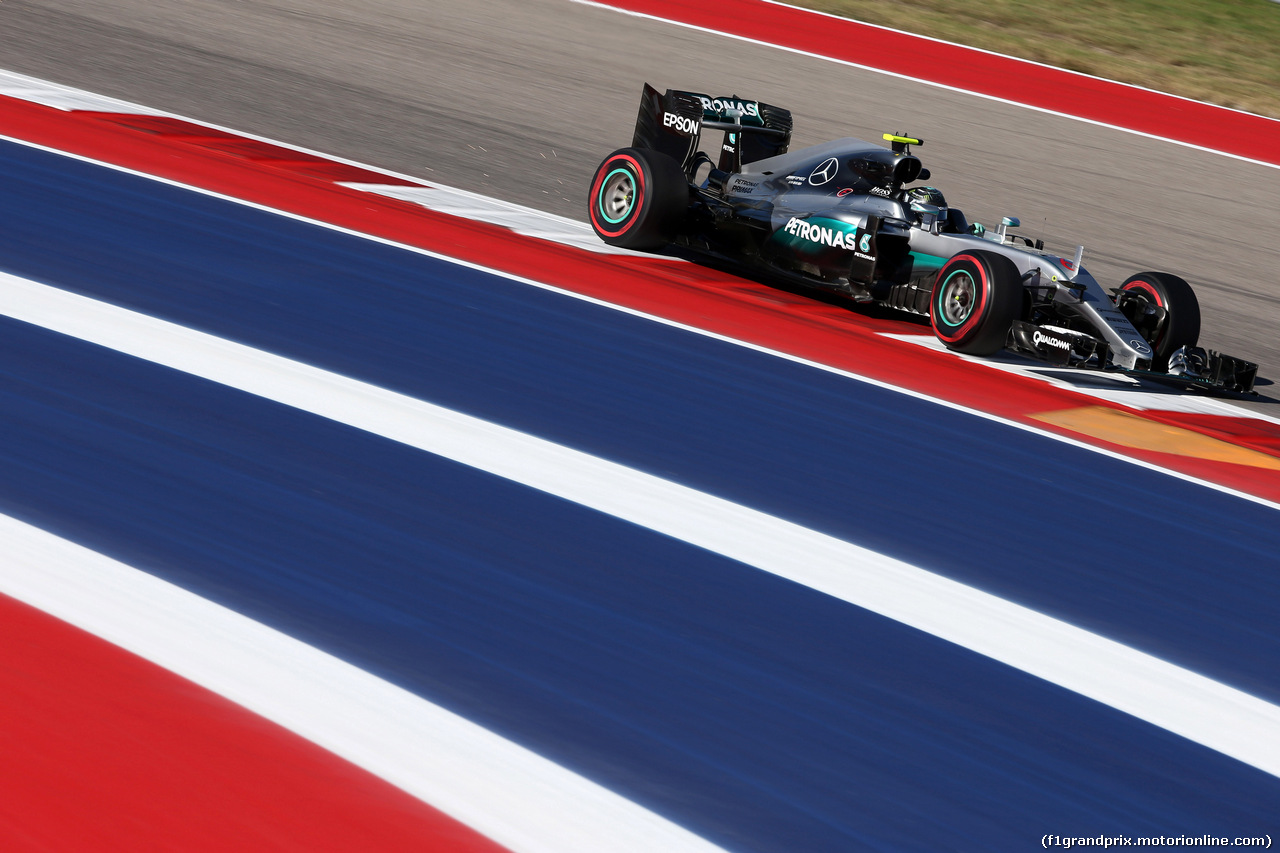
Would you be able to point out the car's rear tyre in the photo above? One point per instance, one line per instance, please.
(638, 199)
(1164, 310)
(976, 297)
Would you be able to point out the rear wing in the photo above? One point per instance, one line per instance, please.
(673, 123)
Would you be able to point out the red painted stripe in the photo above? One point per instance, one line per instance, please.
(1259, 435)
(1015, 80)
(266, 153)
(105, 751)
(686, 293)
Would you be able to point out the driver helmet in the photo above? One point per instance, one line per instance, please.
(928, 204)
(927, 200)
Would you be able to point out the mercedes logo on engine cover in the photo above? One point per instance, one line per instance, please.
(825, 171)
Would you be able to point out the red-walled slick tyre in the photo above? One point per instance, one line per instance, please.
(976, 297)
(1164, 310)
(638, 199)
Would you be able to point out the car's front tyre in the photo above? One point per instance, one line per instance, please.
(976, 297)
(1164, 310)
(638, 199)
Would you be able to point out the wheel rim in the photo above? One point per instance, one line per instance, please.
(617, 196)
(957, 299)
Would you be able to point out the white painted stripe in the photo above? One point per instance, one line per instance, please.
(1187, 703)
(817, 365)
(797, 51)
(64, 97)
(500, 789)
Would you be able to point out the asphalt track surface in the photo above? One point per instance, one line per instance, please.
(757, 712)
(521, 99)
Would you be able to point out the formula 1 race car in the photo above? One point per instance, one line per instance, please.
(839, 216)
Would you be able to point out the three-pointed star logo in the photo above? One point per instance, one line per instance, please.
(823, 172)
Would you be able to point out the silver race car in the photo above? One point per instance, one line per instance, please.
(841, 216)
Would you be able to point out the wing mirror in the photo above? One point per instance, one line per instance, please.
(1007, 223)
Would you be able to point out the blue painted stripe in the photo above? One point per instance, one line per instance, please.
(1171, 568)
(758, 713)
